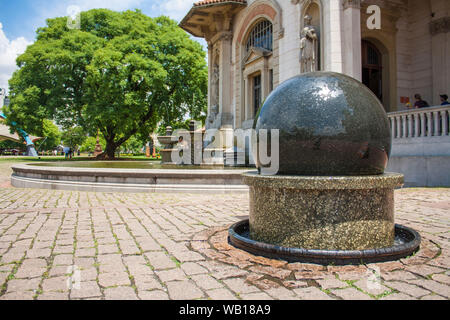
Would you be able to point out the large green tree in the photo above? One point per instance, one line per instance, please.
(51, 136)
(74, 137)
(121, 73)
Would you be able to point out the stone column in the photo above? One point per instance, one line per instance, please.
(352, 64)
(440, 33)
(333, 54)
(226, 109)
(210, 72)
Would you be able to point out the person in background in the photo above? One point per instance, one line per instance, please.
(420, 103)
(66, 151)
(444, 100)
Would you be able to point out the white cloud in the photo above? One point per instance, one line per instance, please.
(117, 5)
(176, 9)
(9, 50)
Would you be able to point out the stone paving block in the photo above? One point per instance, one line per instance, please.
(85, 244)
(56, 284)
(398, 296)
(3, 277)
(221, 295)
(130, 250)
(442, 278)
(21, 285)
(407, 288)
(110, 268)
(107, 249)
(160, 260)
(311, 293)
(63, 250)
(88, 274)
(192, 268)
(183, 290)
(424, 270)
(398, 275)
(148, 244)
(351, 294)
(6, 267)
(188, 256)
(109, 259)
(63, 260)
(372, 286)
(228, 272)
(10, 257)
(273, 272)
(255, 296)
(56, 271)
(24, 295)
(239, 286)
(140, 269)
(330, 282)
(433, 297)
(156, 295)
(89, 289)
(114, 279)
(171, 275)
(147, 283)
(134, 260)
(120, 293)
(42, 244)
(433, 286)
(53, 296)
(87, 252)
(206, 282)
(281, 293)
(39, 253)
(31, 268)
(84, 262)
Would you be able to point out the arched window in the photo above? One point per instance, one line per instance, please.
(261, 36)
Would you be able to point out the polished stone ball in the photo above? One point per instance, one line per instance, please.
(330, 124)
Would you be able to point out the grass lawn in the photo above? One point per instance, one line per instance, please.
(7, 161)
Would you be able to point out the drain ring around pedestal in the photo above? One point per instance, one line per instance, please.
(238, 237)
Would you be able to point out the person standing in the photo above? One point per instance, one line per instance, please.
(444, 100)
(420, 103)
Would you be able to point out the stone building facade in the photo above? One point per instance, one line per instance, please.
(254, 45)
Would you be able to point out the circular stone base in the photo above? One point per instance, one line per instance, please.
(324, 213)
(407, 242)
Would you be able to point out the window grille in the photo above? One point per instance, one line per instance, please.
(261, 36)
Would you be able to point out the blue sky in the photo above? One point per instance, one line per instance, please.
(19, 20)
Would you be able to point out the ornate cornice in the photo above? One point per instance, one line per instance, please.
(441, 25)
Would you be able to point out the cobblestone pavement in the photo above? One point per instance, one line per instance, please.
(75, 245)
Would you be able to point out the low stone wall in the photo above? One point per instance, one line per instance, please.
(423, 171)
(128, 180)
(421, 146)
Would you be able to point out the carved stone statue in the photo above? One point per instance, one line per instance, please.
(215, 92)
(309, 46)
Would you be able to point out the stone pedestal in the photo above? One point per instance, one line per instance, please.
(323, 213)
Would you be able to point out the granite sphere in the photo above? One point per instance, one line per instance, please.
(329, 124)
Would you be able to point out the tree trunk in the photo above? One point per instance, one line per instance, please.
(110, 151)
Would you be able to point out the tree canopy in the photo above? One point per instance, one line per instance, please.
(121, 73)
(51, 136)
